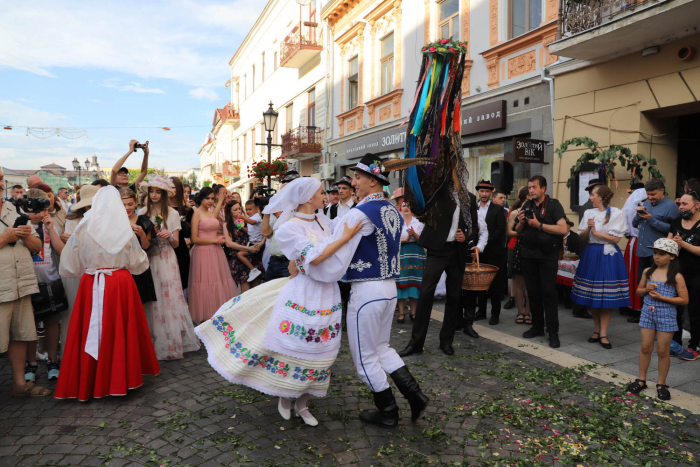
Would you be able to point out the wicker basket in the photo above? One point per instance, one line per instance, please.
(477, 276)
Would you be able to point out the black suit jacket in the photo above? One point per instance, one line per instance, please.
(444, 208)
(496, 224)
(574, 243)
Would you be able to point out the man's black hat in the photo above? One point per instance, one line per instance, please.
(374, 166)
(290, 175)
(592, 183)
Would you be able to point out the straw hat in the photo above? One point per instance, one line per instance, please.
(398, 193)
(161, 182)
(86, 194)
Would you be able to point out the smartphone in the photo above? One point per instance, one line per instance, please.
(191, 198)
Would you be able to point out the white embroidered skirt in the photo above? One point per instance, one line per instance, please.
(236, 340)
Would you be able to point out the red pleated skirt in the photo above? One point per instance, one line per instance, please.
(126, 351)
(631, 263)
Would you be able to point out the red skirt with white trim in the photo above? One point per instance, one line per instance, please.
(631, 263)
(126, 351)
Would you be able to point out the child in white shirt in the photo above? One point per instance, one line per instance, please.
(253, 219)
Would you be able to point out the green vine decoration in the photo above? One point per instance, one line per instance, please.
(608, 159)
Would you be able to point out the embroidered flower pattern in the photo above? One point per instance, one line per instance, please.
(372, 197)
(323, 334)
(265, 362)
(306, 311)
(360, 265)
(302, 257)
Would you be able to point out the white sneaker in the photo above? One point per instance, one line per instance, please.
(42, 356)
(254, 273)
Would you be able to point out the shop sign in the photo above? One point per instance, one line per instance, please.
(384, 141)
(491, 116)
(528, 150)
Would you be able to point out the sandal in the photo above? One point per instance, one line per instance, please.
(520, 319)
(662, 392)
(638, 386)
(401, 319)
(528, 320)
(593, 340)
(29, 390)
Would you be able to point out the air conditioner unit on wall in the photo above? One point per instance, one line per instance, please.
(327, 171)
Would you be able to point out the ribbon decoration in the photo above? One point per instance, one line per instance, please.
(94, 336)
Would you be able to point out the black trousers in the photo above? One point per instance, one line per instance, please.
(495, 291)
(344, 298)
(445, 259)
(540, 279)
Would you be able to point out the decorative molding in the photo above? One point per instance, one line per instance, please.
(493, 22)
(393, 98)
(546, 40)
(465, 23)
(341, 13)
(492, 67)
(552, 10)
(361, 59)
(351, 119)
(466, 87)
(373, 37)
(525, 63)
(426, 22)
(398, 39)
(385, 113)
(343, 67)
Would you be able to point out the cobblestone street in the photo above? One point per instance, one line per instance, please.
(491, 406)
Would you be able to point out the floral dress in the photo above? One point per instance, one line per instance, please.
(282, 337)
(239, 271)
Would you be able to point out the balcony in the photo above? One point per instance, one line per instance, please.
(301, 45)
(232, 170)
(604, 29)
(302, 140)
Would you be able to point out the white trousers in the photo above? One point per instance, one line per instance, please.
(370, 315)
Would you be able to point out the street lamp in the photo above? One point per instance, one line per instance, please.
(76, 166)
(270, 121)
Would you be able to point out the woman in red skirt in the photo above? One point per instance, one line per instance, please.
(108, 348)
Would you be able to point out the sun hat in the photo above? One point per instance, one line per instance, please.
(161, 182)
(86, 194)
(667, 245)
(398, 193)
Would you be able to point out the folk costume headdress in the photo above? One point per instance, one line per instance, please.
(433, 135)
(374, 166)
(295, 193)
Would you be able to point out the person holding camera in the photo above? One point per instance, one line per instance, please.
(542, 225)
(278, 266)
(120, 174)
(17, 283)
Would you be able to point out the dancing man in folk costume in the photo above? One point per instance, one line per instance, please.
(370, 262)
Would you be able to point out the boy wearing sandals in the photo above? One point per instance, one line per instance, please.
(17, 284)
(663, 289)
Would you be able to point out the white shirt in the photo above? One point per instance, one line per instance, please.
(254, 234)
(44, 268)
(273, 246)
(343, 210)
(484, 209)
(417, 227)
(616, 226)
(483, 230)
(453, 227)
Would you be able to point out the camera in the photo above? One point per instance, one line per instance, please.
(32, 205)
(529, 213)
(264, 194)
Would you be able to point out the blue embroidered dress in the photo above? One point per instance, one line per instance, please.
(282, 337)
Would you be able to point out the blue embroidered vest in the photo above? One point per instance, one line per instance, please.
(377, 255)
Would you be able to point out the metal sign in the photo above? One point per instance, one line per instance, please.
(384, 141)
(487, 117)
(528, 150)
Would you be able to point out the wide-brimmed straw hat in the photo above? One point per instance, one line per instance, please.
(86, 194)
(161, 182)
(398, 193)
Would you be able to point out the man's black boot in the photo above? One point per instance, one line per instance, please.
(408, 386)
(533, 332)
(388, 414)
(468, 322)
(554, 340)
(510, 304)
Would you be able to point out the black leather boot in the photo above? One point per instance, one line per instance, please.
(408, 386)
(388, 414)
(468, 322)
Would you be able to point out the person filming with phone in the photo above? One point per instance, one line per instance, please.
(542, 224)
(120, 174)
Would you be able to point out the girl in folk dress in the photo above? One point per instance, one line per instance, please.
(210, 281)
(171, 324)
(108, 347)
(601, 281)
(282, 337)
(412, 263)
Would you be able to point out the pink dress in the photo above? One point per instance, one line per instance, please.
(210, 283)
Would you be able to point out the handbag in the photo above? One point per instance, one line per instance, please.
(51, 299)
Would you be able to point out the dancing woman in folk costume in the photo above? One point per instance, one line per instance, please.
(168, 317)
(282, 337)
(108, 347)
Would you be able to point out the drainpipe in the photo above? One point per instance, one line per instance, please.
(330, 61)
(550, 80)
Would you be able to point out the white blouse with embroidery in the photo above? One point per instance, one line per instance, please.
(616, 226)
(417, 227)
(306, 319)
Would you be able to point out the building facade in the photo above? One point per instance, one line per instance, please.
(631, 78)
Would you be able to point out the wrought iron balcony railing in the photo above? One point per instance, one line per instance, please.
(303, 139)
(580, 15)
(302, 44)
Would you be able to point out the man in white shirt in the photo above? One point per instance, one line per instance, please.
(448, 245)
(345, 191)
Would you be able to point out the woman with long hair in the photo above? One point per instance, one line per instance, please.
(108, 347)
(210, 280)
(172, 332)
(236, 238)
(601, 281)
(281, 338)
(182, 251)
(514, 271)
(412, 263)
(56, 211)
(144, 230)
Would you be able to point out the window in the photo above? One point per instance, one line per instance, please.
(448, 17)
(289, 120)
(311, 114)
(353, 82)
(387, 63)
(525, 15)
(274, 64)
(263, 67)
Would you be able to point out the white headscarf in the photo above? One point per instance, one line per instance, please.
(107, 222)
(296, 192)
